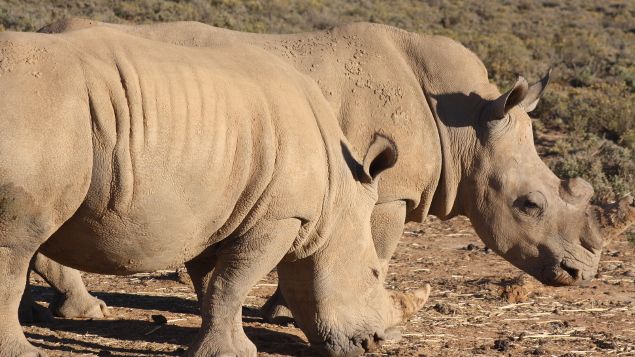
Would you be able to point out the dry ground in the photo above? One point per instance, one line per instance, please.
(480, 305)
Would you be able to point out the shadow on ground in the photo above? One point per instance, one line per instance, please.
(267, 340)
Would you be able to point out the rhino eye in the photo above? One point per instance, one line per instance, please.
(532, 204)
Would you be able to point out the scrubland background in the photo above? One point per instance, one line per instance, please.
(479, 306)
(586, 121)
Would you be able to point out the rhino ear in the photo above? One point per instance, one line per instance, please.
(513, 97)
(534, 93)
(380, 156)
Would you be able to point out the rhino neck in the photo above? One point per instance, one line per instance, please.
(444, 202)
(449, 75)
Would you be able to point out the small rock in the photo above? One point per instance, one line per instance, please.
(182, 276)
(605, 345)
(443, 309)
(519, 289)
(501, 345)
(629, 273)
(159, 319)
(480, 350)
(522, 335)
(471, 247)
(539, 351)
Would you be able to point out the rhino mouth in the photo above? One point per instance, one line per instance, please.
(561, 275)
(351, 346)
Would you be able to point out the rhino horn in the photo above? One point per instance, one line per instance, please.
(535, 91)
(407, 304)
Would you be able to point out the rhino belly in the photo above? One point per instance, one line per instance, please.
(145, 238)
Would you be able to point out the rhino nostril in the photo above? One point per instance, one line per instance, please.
(575, 273)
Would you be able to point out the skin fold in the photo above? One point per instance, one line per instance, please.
(465, 147)
(122, 155)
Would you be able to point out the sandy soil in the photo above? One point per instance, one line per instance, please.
(480, 305)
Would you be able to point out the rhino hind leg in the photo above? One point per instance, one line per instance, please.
(237, 267)
(30, 311)
(200, 270)
(72, 300)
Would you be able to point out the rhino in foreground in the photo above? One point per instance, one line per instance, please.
(465, 148)
(121, 155)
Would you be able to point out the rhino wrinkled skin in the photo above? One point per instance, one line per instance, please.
(465, 148)
(122, 155)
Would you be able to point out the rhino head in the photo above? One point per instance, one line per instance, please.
(517, 205)
(336, 292)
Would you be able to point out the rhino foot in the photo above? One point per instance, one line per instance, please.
(236, 346)
(82, 306)
(11, 348)
(31, 312)
(275, 310)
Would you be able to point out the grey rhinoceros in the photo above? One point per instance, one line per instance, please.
(121, 155)
(465, 148)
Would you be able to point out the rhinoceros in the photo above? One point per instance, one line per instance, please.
(122, 155)
(465, 148)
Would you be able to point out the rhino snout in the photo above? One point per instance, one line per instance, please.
(568, 272)
(578, 264)
(366, 331)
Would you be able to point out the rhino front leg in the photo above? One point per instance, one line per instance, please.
(14, 263)
(240, 263)
(387, 223)
(72, 299)
(23, 228)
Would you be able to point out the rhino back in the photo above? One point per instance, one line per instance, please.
(190, 147)
(368, 80)
(366, 73)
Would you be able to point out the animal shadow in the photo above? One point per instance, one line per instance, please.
(269, 340)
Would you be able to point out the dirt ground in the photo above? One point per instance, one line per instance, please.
(480, 305)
